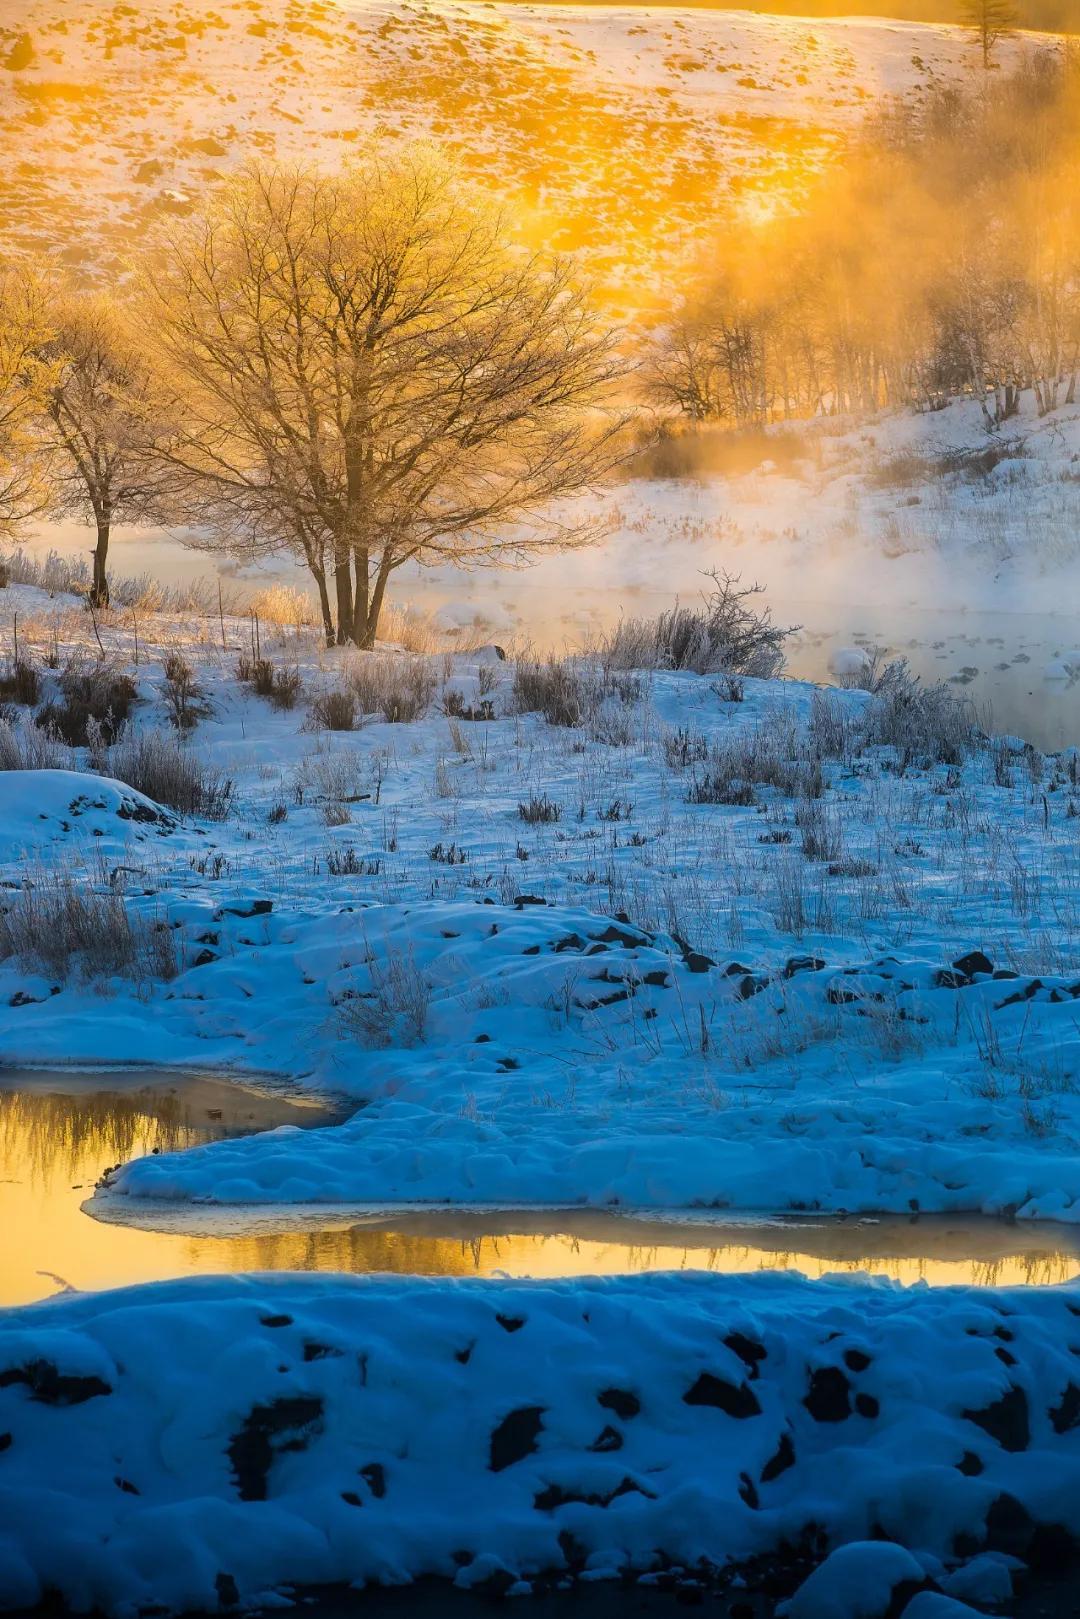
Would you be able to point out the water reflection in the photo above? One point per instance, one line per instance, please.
(55, 1142)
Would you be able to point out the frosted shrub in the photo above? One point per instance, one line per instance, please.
(25, 747)
(334, 710)
(282, 605)
(925, 724)
(395, 1010)
(763, 758)
(158, 764)
(724, 635)
(400, 689)
(59, 926)
(557, 689)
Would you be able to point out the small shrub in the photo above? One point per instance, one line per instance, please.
(398, 688)
(24, 747)
(99, 695)
(57, 926)
(395, 1010)
(683, 747)
(725, 635)
(555, 689)
(347, 863)
(619, 809)
(448, 854)
(286, 688)
(536, 811)
(925, 724)
(334, 710)
(279, 812)
(775, 758)
(158, 764)
(283, 605)
(21, 683)
(181, 692)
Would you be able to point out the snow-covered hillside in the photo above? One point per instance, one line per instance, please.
(624, 130)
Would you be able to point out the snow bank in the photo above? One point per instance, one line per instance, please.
(555, 1069)
(182, 1444)
(44, 811)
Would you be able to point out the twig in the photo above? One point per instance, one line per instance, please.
(97, 632)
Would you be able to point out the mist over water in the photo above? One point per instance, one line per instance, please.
(1014, 663)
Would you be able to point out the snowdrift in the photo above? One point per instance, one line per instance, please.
(194, 1442)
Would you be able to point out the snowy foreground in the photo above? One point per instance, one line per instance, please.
(195, 1443)
(709, 948)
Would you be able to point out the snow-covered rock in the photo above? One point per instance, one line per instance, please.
(164, 1443)
(857, 1581)
(45, 810)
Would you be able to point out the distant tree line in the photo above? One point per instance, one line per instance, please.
(940, 257)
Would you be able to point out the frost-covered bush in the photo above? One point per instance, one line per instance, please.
(283, 605)
(556, 688)
(95, 694)
(160, 765)
(334, 710)
(58, 926)
(398, 688)
(395, 1010)
(24, 747)
(774, 757)
(726, 634)
(925, 724)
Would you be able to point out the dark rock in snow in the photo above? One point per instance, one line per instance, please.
(269, 1430)
(374, 1475)
(829, 1396)
(747, 1349)
(1066, 1416)
(555, 1496)
(515, 1437)
(1005, 1420)
(624, 1404)
(780, 1461)
(734, 1399)
(974, 962)
(49, 1386)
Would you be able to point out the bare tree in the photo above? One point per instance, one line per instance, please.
(23, 330)
(366, 372)
(990, 22)
(99, 420)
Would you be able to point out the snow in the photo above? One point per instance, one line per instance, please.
(857, 1581)
(648, 1003)
(310, 1429)
(862, 1002)
(617, 127)
(45, 812)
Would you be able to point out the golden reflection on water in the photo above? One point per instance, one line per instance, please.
(54, 1146)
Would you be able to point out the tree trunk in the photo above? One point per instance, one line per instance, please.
(362, 603)
(377, 597)
(99, 589)
(324, 604)
(344, 591)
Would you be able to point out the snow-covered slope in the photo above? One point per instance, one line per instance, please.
(624, 128)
